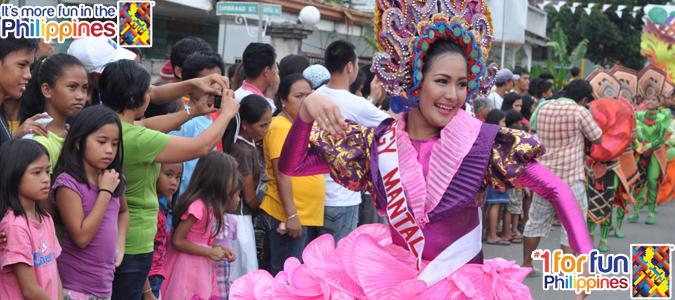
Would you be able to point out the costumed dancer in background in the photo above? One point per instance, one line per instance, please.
(658, 39)
(667, 188)
(652, 127)
(616, 118)
(627, 171)
(426, 170)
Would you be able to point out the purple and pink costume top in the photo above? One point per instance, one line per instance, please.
(498, 157)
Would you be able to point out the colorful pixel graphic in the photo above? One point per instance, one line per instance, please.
(135, 23)
(651, 273)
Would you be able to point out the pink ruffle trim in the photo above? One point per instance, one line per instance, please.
(366, 265)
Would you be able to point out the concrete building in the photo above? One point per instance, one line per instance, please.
(521, 28)
(175, 19)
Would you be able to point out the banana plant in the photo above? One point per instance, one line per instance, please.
(563, 60)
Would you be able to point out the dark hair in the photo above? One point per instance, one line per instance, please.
(292, 64)
(15, 156)
(358, 83)
(231, 69)
(89, 120)
(338, 55)
(251, 109)
(184, 47)
(214, 174)
(369, 76)
(123, 85)
(512, 117)
(162, 109)
(136, 51)
(509, 99)
(546, 76)
(437, 49)
(237, 79)
(494, 116)
(200, 61)
(579, 89)
(575, 71)
(527, 105)
(501, 83)
(12, 44)
(521, 71)
(539, 86)
(47, 70)
(285, 87)
(257, 57)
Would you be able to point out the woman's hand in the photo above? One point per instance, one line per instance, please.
(293, 227)
(213, 84)
(327, 115)
(31, 126)
(229, 104)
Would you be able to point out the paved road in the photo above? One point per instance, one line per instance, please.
(662, 232)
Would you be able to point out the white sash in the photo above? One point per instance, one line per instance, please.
(454, 256)
(398, 213)
(400, 217)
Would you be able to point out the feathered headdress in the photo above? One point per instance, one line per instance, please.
(405, 31)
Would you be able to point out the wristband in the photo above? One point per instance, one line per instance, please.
(292, 216)
(107, 191)
(187, 109)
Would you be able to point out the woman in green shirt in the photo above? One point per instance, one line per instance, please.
(124, 87)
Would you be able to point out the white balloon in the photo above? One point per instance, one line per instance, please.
(309, 15)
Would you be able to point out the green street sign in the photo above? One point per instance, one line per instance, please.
(230, 8)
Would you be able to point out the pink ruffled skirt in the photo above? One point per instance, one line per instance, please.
(367, 265)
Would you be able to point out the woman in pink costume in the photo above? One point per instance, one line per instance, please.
(427, 172)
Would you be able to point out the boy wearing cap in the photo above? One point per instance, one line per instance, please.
(16, 56)
(504, 83)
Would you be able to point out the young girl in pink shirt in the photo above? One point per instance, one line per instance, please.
(28, 261)
(190, 266)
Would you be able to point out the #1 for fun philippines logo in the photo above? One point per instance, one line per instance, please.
(129, 22)
(645, 273)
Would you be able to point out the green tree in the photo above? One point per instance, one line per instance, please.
(563, 58)
(611, 39)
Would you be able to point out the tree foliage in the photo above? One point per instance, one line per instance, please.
(610, 39)
(564, 60)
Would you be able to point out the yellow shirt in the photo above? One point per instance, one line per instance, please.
(13, 126)
(53, 143)
(308, 191)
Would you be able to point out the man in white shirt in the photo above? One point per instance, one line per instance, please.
(342, 205)
(504, 83)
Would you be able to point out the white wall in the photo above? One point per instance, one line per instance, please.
(509, 22)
